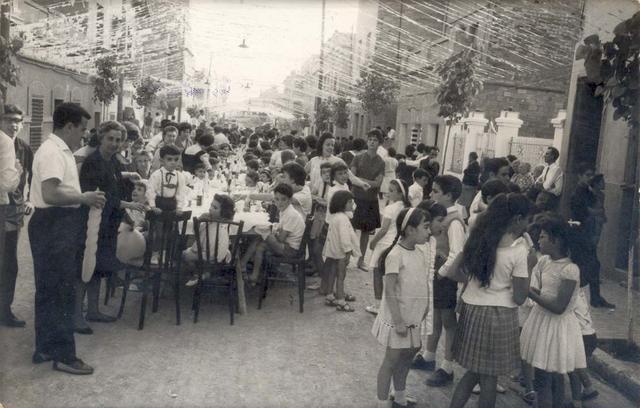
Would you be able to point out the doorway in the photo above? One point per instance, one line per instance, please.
(585, 135)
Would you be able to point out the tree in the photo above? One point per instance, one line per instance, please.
(376, 92)
(340, 111)
(147, 91)
(105, 84)
(9, 71)
(324, 115)
(459, 85)
(615, 68)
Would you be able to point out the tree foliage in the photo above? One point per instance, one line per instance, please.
(9, 71)
(376, 92)
(147, 91)
(105, 84)
(324, 115)
(459, 85)
(340, 111)
(614, 66)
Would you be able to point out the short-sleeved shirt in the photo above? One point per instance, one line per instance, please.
(53, 160)
(303, 197)
(369, 168)
(510, 262)
(413, 289)
(291, 221)
(391, 212)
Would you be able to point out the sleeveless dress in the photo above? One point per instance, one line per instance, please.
(552, 342)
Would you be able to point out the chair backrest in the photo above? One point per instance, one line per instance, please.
(166, 234)
(305, 238)
(203, 228)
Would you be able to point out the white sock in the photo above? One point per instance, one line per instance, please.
(400, 397)
(384, 403)
(428, 356)
(447, 366)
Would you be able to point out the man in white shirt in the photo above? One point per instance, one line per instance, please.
(551, 178)
(219, 138)
(10, 173)
(57, 238)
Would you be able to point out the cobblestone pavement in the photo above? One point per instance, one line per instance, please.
(275, 357)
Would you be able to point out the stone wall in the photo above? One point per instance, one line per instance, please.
(536, 105)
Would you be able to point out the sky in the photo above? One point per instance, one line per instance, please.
(280, 34)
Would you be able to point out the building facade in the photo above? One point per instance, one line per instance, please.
(593, 136)
(524, 52)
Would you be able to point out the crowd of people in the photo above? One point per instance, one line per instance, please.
(486, 264)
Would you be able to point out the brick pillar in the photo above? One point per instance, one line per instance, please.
(475, 122)
(558, 128)
(508, 124)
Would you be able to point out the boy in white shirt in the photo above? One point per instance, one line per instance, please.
(286, 238)
(169, 137)
(416, 190)
(200, 182)
(167, 186)
(450, 242)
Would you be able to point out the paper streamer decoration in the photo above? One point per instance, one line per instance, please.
(91, 244)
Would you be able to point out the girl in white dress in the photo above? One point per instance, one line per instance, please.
(551, 338)
(405, 302)
(390, 166)
(341, 243)
(398, 199)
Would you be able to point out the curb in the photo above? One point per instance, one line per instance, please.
(624, 376)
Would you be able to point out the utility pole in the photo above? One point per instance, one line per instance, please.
(5, 26)
(399, 33)
(321, 71)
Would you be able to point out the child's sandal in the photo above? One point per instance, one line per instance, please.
(344, 307)
(349, 298)
(330, 301)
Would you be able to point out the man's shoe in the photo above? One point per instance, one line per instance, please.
(440, 378)
(83, 330)
(602, 303)
(10, 320)
(75, 367)
(101, 318)
(419, 363)
(39, 358)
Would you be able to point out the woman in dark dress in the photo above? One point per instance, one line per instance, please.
(102, 170)
(470, 181)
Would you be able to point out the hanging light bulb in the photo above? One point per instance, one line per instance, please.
(244, 44)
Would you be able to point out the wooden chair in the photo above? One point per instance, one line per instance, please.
(297, 263)
(220, 274)
(166, 236)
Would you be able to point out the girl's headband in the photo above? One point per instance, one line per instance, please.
(399, 182)
(406, 218)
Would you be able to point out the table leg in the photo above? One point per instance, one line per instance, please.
(242, 300)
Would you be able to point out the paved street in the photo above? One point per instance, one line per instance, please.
(275, 357)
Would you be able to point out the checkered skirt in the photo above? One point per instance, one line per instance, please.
(487, 340)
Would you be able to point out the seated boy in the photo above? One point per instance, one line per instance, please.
(283, 241)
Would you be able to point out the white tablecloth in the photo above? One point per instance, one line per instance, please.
(250, 219)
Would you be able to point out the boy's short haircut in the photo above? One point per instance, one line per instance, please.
(264, 145)
(253, 175)
(168, 129)
(449, 185)
(494, 165)
(377, 133)
(492, 188)
(339, 201)
(253, 164)
(249, 156)
(288, 140)
(336, 167)
(300, 143)
(296, 173)
(420, 173)
(326, 165)
(184, 126)
(358, 144)
(144, 153)
(284, 189)
(169, 151)
(140, 184)
(287, 156)
(206, 140)
(434, 209)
